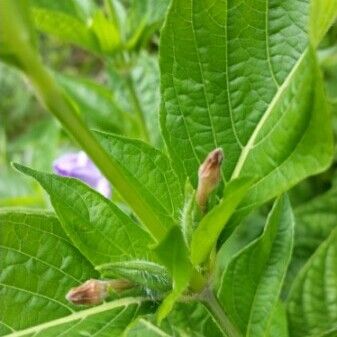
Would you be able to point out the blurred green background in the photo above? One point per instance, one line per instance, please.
(105, 56)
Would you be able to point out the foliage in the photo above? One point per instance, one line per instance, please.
(244, 77)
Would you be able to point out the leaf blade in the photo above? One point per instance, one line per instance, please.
(266, 261)
(24, 260)
(91, 221)
(311, 306)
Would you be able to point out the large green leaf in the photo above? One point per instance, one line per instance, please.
(252, 282)
(235, 76)
(205, 236)
(151, 173)
(109, 319)
(312, 307)
(38, 266)
(99, 229)
(314, 222)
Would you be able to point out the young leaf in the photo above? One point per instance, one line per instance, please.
(108, 319)
(151, 173)
(312, 300)
(252, 282)
(173, 254)
(231, 79)
(38, 266)
(99, 229)
(205, 236)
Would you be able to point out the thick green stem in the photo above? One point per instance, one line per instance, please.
(212, 304)
(53, 98)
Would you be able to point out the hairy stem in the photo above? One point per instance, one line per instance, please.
(213, 306)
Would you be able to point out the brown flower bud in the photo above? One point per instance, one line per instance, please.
(209, 176)
(94, 291)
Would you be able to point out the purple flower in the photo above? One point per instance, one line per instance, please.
(78, 165)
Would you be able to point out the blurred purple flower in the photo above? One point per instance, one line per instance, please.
(78, 165)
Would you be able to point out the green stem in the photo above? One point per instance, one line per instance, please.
(213, 306)
(53, 98)
(137, 107)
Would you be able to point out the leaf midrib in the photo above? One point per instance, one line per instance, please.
(250, 144)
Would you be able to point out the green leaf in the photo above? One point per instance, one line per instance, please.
(38, 266)
(66, 27)
(322, 16)
(206, 235)
(314, 222)
(252, 282)
(231, 78)
(108, 319)
(148, 274)
(312, 300)
(278, 326)
(173, 254)
(151, 174)
(96, 103)
(248, 230)
(99, 229)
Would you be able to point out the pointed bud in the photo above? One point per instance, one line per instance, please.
(94, 291)
(209, 176)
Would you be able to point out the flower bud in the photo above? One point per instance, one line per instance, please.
(209, 176)
(94, 291)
